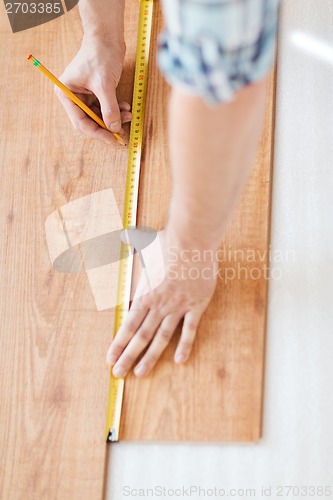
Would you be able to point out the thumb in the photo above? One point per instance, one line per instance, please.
(110, 108)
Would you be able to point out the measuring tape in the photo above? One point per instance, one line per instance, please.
(116, 385)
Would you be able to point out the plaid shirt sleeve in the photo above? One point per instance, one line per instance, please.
(212, 48)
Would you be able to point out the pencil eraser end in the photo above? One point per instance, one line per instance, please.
(29, 56)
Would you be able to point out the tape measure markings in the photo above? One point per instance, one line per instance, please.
(116, 385)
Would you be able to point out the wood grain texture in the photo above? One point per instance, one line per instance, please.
(217, 395)
(53, 340)
(54, 379)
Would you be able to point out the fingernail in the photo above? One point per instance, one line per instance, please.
(115, 126)
(180, 358)
(140, 370)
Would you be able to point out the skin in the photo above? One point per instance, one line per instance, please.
(95, 71)
(211, 152)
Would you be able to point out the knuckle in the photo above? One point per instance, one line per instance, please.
(131, 326)
(146, 300)
(190, 327)
(109, 117)
(144, 334)
(128, 360)
(117, 349)
(165, 334)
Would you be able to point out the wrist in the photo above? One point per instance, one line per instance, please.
(96, 38)
(103, 20)
(189, 228)
(187, 237)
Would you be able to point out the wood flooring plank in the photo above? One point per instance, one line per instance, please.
(53, 342)
(217, 395)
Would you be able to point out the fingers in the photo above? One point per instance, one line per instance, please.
(126, 116)
(124, 106)
(137, 344)
(143, 327)
(158, 345)
(86, 125)
(125, 333)
(189, 330)
(82, 122)
(106, 94)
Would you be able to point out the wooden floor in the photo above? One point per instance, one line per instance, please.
(53, 340)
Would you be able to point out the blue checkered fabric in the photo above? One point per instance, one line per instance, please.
(212, 48)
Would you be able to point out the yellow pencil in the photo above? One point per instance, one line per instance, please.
(73, 97)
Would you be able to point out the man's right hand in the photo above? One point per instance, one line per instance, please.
(93, 75)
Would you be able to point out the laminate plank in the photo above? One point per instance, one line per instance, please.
(217, 395)
(54, 378)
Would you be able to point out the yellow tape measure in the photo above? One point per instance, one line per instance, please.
(116, 385)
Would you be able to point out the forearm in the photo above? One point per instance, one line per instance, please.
(103, 18)
(212, 151)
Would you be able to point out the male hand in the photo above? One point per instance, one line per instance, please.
(93, 75)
